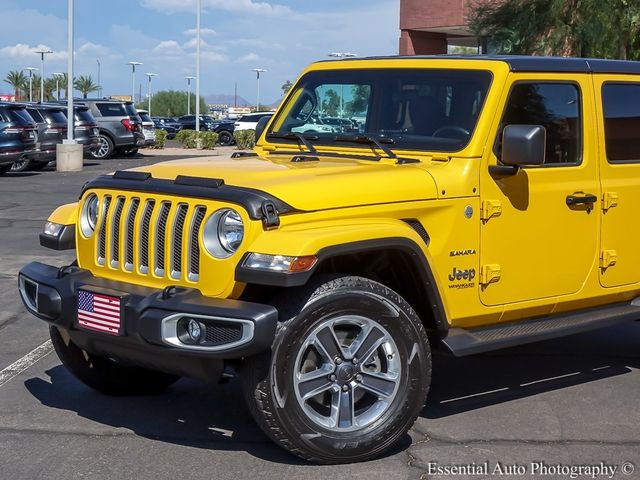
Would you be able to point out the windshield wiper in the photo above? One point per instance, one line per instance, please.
(297, 136)
(378, 142)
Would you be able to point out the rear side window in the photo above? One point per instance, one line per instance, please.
(20, 116)
(35, 114)
(556, 107)
(84, 115)
(621, 108)
(55, 116)
(111, 109)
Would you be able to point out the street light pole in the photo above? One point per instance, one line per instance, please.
(133, 80)
(70, 115)
(99, 84)
(189, 94)
(198, 15)
(258, 72)
(57, 76)
(150, 76)
(42, 53)
(30, 70)
(342, 55)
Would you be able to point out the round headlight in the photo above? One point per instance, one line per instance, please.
(223, 233)
(89, 216)
(230, 231)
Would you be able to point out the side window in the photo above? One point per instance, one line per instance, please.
(555, 106)
(111, 109)
(621, 108)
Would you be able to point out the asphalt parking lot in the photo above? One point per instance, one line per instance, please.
(573, 401)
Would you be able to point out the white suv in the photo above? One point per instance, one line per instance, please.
(250, 121)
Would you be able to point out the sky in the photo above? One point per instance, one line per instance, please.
(282, 36)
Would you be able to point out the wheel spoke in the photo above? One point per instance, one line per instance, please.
(342, 407)
(371, 340)
(312, 383)
(327, 342)
(380, 384)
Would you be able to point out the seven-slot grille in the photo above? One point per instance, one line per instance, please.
(148, 236)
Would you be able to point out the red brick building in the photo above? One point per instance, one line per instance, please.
(431, 26)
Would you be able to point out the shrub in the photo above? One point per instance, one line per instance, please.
(245, 139)
(187, 138)
(161, 139)
(209, 140)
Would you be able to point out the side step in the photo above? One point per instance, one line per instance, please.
(464, 342)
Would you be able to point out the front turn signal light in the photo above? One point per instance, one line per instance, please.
(280, 263)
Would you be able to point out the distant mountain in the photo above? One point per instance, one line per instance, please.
(225, 99)
(228, 99)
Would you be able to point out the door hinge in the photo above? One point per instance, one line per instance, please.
(609, 200)
(490, 208)
(489, 274)
(608, 258)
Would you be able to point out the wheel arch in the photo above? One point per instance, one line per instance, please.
(397, 262)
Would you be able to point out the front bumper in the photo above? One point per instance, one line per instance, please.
(149, 316)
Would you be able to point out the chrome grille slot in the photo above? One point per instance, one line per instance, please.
(176, 240)
(194, 244)
(145, 226)
(102, 234)
(147, 236)
(115, 232)
(161, 235)
(129, 233)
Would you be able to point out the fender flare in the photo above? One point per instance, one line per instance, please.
(407, 246)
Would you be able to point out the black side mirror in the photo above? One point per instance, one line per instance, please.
(260, 127)
(523, 145)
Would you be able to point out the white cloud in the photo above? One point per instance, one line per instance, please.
(24, 51)
(212, 57)
(93, 49)
(204, 32)
(233, 6)
(169, 48)
(248, 58)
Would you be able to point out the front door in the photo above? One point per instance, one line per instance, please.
(533, 244)
(620, 178)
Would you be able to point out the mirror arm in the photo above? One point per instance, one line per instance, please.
(503, 170)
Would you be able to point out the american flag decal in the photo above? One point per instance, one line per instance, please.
(99, 312)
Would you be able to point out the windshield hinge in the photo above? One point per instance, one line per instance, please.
(270, 217)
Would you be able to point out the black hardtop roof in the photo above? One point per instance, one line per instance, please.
(524, 63)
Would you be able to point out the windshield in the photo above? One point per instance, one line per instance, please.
(84, 115)
(19, 116)
(145, 117)
(422, 109)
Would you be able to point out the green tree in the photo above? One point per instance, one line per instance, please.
(17, 80)
(286, 86)
(172, 103)
(582, 28)
(331, 103)
(85, 85)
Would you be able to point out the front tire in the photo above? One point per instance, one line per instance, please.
(347, 375)
(105, 375)
(225, 138)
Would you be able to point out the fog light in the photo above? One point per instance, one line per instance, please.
(190, 331)
(194, 331)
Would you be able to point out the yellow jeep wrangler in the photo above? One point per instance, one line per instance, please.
(391, 206)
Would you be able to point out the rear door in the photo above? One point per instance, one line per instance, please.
(619, 124)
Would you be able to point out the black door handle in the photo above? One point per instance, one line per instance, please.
(581, 200)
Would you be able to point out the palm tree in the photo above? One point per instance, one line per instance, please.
(50, 92)
(17, 79)
(84, 83)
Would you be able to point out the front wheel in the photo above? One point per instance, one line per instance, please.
(347, 375)
(104, 374)
(225, 138)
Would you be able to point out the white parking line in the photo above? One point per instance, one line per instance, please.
(25, 362)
